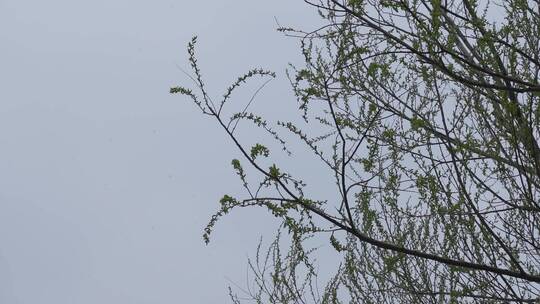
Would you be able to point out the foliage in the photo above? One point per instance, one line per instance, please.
(428, 115)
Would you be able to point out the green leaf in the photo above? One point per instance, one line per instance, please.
(417, 123)
(274, 172)
(259, 149)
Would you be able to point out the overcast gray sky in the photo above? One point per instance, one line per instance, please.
(106, 181)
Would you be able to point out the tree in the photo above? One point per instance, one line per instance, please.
(428, 117)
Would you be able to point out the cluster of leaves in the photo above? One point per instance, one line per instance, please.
(428, 117)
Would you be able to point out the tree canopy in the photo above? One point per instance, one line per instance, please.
(427, 115)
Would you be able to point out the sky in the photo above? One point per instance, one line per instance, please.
(106, 180)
